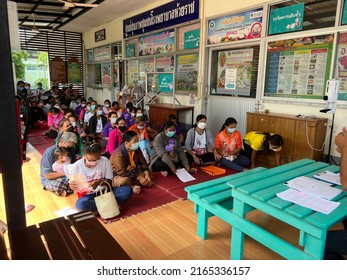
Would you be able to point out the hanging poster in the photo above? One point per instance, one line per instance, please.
(90, 55)
(106, 79)
(132, 72)
(102, 53)
(97, 73)
(165, 82)
(192, 39)
(286, 19)
(146, 65)
(161, 42)
(234, 72)
(341, 65)
(165, 63)
(130, 50)
(187, 72)
(74, 72)
(241, 26)
(58, 70)
(298, 67)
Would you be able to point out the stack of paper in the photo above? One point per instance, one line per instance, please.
(329, 176)
(311, 193)
(184, 175)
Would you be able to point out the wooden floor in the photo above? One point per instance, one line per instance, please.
(167, 232)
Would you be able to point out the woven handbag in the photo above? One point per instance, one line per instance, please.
(105, 202)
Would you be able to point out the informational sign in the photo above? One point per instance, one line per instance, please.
(170, 14)
(58, 70)
(165, 82)
(165, 63)
(192, 39)
(341, 65)
(286, 19)
(298, 67)
(74, 72)
(234, 72)
(106, 74)
(130, 50)
(132, 71)
(161, 42)
(102, 53)
(187, 72)
(90, 55)
(241, 26)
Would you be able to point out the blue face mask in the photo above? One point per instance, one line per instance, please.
(170, 134)
(20, 88)
(93, 107)
(99, 113)
(231, 130)
(134, 146)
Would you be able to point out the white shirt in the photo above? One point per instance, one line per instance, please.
(87, 116)
(102, 170)
(99, 126)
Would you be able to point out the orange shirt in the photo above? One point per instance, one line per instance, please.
(143, 134)
(230, 142)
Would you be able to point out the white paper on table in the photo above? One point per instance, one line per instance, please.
(184, 175)
(309, 201)
(65, 212)
(313, 187)
(329, 176)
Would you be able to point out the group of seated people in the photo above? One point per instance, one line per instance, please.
(95, 143)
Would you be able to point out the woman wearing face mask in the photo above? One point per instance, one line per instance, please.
(262, 141)
(110, 125)
(96, 124)
(80, 106)
(168, 153)
(129, 114)
(141, 129)
(229, 145)
(96, 169)
(107, 107)
(128, 164)
(52, 121)
(151, 132)
(199, 143)
(115, 137)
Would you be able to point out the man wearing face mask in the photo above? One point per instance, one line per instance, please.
(128, 164)
(200, 148)
(262, 141)
(97, 123)
(229, 145)
(88, 113)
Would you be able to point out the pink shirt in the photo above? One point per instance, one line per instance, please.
(114, 140)
(52, 121)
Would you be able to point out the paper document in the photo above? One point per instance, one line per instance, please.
(65, 212)
(313, 187)
(184, 175)
(309, 201)
(329, 176)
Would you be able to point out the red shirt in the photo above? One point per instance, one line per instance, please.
(230, 142)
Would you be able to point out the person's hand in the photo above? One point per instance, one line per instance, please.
(173, 170)
(196, 160)
(341, 140)
(73, 185)
(83, 134)
(217, 156)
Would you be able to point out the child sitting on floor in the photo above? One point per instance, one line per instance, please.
(62, 158)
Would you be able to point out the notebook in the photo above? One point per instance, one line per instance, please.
(213, 170)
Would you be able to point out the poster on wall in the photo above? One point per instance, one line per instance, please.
(341, 65)
(165, 82)
(58, 70)
(234, 72)
(299, 67)
(90, 55)
(187, 72)
(102, 53)
(286, 19)
(165, 63)
(106, 79)
(133, 75)
(247, 25)
(74, 72)
(161, 42)
(130, 50)
(192, 39)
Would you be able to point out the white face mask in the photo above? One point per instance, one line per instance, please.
(201, 125)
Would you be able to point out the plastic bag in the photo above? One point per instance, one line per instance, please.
(82, 183)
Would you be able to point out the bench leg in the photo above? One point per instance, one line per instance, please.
(203, 216)
(237, 244)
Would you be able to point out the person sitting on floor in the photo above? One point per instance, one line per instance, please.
(140, 128)
(96, 169)
(129, 115)
(168, 153)
(61, 155)
(199, 143)
(52, 121)
(36, 114)
(179, 133)
(57, 182)
(255, 141)
(115, 137)
(119, 110)
(110, 125)
(128, 164)
(229, 145)
(96, 124)
(151, 131)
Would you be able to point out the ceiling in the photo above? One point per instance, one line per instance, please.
(51, 14)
